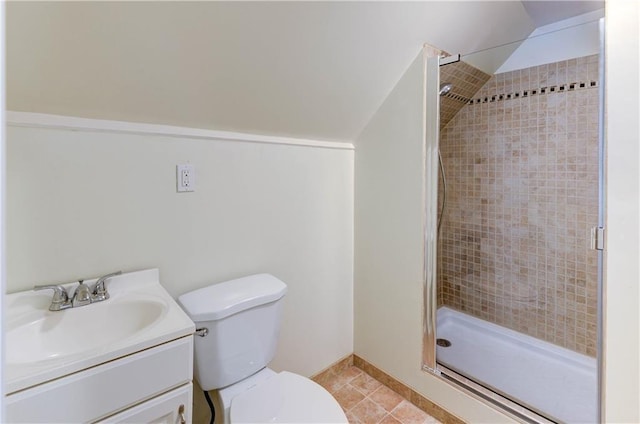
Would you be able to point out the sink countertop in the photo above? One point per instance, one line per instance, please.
(28, 306)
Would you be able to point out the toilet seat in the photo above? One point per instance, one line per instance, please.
(286, 398)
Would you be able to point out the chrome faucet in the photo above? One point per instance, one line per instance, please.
(60, 299)
(100, 292)
(82, 296)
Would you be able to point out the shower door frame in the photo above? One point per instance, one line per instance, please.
(431, 133)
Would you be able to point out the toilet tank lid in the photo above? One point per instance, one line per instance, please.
(220, 300)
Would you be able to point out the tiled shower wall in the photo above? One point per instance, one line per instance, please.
(466, 81)
(521, 163)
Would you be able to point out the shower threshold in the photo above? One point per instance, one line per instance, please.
(550, 380)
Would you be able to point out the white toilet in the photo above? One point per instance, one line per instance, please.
(242, 321)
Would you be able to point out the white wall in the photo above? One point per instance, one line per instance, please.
(84, 203)
(2, 200)
(304, 69)
(563, 40)
(622, 276)
(389, 254)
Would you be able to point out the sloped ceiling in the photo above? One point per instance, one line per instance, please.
(544, 12)
(304, 69)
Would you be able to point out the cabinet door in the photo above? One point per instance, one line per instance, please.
(173, 407)
(98, 392)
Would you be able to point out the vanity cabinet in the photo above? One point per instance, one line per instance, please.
(173, 407)
(152, 385)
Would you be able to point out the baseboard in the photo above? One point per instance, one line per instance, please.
(334, 368)
(407, 392)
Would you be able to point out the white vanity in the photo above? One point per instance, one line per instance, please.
(125, 359)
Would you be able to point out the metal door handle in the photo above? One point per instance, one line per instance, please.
(183, 420)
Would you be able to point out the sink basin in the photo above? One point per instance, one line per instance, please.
(54, 335)
(41, 345)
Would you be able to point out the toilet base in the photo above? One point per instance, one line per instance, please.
(222, 397)
(287, 398)
(281, 397)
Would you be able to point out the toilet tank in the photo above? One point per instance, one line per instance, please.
(243, 318)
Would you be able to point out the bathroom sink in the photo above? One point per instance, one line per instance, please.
(42, 345)
(46, 335)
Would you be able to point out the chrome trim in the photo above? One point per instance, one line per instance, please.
(597, 237)
(100, 292)
(493, 397)
(60, 300)
(202, 332)
(430, 218)
(601, 221)
(449, 59)
(82, 295)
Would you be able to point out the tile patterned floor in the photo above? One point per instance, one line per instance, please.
(367, 401)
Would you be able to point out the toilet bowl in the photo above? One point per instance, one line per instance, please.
(242, 321)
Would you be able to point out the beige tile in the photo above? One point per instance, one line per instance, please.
(407, 413)
(366, 384)
(390, 419)
(353, 419)
(334, 369)
(325, 379)
(431, 420)
(350, 373)
(386, 398)
(335, 382)
(368, 412)
(533, 232)
(348, 397)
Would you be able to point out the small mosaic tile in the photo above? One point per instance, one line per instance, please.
(521, 164)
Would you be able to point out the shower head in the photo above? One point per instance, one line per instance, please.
(445, 88)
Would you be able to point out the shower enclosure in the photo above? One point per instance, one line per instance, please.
(513, 268)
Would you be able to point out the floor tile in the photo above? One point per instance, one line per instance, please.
(368, 412)
(386, 398)
(348, 396)
(366, 400)
(352, 419)
(408, 413)
(366, 384)
(431, 420)
(351, 373)
(336, 381)
(389, 419)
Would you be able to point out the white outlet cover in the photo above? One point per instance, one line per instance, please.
(185, 178)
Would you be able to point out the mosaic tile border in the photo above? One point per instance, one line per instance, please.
(457, 98)
(573, 86)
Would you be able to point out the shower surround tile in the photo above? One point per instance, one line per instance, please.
(466, 81)
(522, 181)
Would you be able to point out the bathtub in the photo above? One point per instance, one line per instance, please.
(555, 382)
